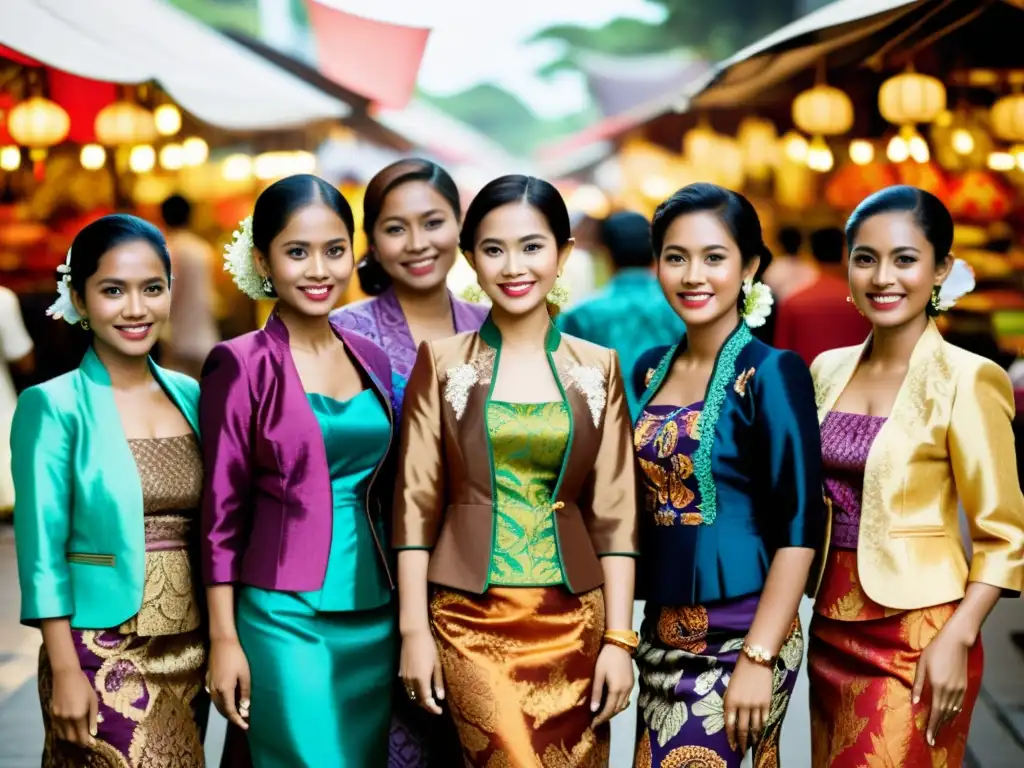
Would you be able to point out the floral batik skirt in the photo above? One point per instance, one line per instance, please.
(151, 701)
(686, 657)
(518, 668)
(861, 661)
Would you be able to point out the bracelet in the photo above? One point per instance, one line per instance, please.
(759, 655)
(626, 640)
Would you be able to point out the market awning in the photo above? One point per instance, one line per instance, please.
(214, 78)
(797, 46)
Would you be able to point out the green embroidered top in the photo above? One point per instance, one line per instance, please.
(528, 441)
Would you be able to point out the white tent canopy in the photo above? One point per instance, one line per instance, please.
(214, 78)
(744, 75)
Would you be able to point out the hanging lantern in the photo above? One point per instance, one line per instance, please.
(862, 152)
(759, 144)
(823, 110)
(172, 157)
(142, 158)
(819, 156)
(852, 183)
(10, 158)
(92, 157)
(911, 97)
(1008, 117)
(38, 123)
(699, 142)
(125, 123)
(1001, 161)
(927, 176)
(795, 147)
(167, 119)
(196, 151)
(978, 196)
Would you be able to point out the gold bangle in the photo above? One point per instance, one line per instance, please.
(624, 639)
(759, 655)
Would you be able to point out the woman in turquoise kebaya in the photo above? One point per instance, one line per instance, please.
(108, 474)
(297, 428)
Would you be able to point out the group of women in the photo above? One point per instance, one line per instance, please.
(483, 465)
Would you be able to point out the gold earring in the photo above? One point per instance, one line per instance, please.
(84, 322)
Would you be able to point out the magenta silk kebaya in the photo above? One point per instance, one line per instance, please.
(267, 502)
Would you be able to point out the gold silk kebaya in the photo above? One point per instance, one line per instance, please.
(948, 438)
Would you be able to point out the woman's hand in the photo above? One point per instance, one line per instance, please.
(613, 679)
(420, 670)
(227, 678)
(748, 700)
(943, 668)
(74, 707)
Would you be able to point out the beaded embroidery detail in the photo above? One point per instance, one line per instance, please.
(591, 381)
(461, 378)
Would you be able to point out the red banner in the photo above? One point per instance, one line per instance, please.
(375, 59)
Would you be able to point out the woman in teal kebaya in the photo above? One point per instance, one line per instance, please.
(297, 423)
(108, 474)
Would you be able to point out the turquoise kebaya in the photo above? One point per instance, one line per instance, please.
(322, 662)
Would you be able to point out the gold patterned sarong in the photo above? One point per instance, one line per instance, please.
(518, 667)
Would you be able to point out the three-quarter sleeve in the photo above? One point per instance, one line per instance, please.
(981, 451)
(420, 484)
(608, 500)
(226, 426)
(790, 453)
(41, 465)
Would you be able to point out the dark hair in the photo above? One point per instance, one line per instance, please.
(928, 212)
(281, 200)
(537, 193)
(176, 211)
(373, 279)
(99, 237)
(733, 209)
(827, 245)
(791, 238)
(627, 236)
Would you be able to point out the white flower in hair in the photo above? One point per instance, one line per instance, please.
(63, 308)
(757, 303)
(959, 283)
(239, 262)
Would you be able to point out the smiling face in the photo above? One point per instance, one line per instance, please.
(701, 270)
(416, 236)
(893, 269)
(516, 258)
(127, 300)
(310, 261)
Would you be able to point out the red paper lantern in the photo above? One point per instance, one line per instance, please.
(978, 196)
(852, 183)
(927, 176)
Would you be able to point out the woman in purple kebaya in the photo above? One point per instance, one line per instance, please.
(297, 421)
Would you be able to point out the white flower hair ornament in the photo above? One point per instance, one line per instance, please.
(63, 308)
(757, 303)
(238, 260)
(959, 283)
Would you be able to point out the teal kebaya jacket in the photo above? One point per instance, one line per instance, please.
(78, 518)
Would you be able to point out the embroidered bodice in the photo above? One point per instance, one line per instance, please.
(665, 439)
(171, 472)
(846, 439)
(528, 442)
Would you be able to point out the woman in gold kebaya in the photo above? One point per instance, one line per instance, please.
(515, 512)
(910, 426)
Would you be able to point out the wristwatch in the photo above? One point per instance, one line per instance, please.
(627, 640)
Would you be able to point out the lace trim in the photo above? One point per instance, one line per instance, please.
(725, 370)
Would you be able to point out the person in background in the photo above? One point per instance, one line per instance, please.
(16, 350)
(411, 217)
(820, 316)
(297, 431)
(108, 475)
(730, 486)
(910, 426)
(192, 332)
(630, 315)
(790, 272)
(515, 513)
